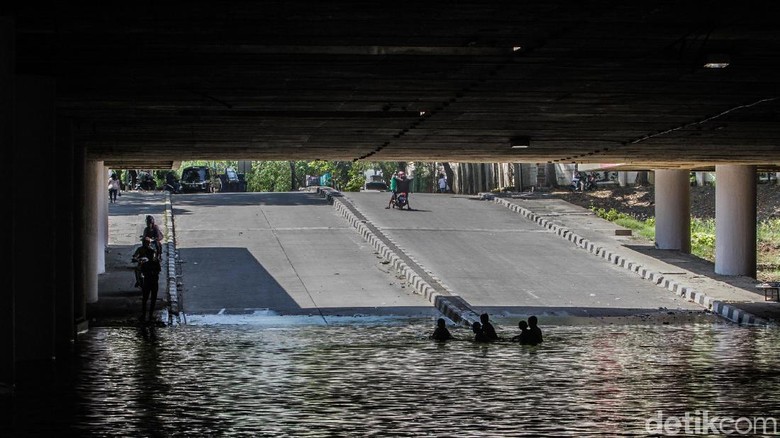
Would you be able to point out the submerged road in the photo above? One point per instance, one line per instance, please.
(290, 253)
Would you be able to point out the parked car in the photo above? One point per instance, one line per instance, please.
(196, 179)
(232, 181)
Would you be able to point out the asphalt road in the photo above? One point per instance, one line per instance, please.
(501, 262)
(287, 253)
(290, 253)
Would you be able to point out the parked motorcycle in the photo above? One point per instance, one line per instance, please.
(582, 182)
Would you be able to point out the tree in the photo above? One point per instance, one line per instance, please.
(293, 180)
(450, 175)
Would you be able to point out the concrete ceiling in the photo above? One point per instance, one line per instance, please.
(570, 81)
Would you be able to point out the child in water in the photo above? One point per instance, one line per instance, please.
(441, 333)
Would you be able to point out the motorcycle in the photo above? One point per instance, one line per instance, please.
(582, 182)
(173, 188)
(401, 201)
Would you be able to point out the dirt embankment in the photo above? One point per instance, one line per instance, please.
(638, 201)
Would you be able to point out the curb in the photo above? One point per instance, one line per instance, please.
(453, 307)
(725, 310)
(172, 286)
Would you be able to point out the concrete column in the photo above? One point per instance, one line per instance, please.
(33, 215)
(65, 333)
(79, 241)
(622, 179)
(102, 218)
(673, 210)
(735, 220)
(93, 247)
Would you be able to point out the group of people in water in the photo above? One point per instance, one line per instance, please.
(530, 333)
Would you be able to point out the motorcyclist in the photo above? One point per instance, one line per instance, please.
(400, 184)
(154, 235)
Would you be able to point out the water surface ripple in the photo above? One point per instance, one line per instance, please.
(390, 380)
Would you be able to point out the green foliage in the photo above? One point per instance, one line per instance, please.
(769, 231)
(642, 228)
(611, 215)
(269, 176)
(274, 176)
(703, 238)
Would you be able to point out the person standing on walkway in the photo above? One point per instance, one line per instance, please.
(113, 187)
(442, 184)
(154, 235)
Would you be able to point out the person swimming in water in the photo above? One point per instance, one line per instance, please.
(441, 333)
(487, 327)
(525, 335)
(479, 335)
(534, 330)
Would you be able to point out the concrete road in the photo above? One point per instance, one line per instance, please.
(500, 262)
(289, 253)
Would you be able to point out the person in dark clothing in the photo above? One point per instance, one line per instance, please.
(441, 333)
(150, 270)
(487, 327)
(154, 235)
(479, 335)
(534, 330)
(525, 335)
(143, 253)
(400, 184)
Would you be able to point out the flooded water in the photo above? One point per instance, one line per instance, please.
(387, 379)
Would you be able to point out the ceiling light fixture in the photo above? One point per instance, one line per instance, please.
(520, 142)
(717, 61)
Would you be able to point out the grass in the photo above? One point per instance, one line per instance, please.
(703, 239)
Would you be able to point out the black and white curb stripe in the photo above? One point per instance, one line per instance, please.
(453, 307)
(172, 286)
(725, 310)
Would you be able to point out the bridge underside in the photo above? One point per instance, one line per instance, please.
(555, 81)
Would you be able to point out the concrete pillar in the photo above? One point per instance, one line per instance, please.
(673, 210)
(102, 218)
(65, 333)
(93, 247)
(735, 220)
(80, 270)
(622, 179)
(7, 125)
(33, 216)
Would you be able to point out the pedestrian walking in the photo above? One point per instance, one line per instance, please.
(114, 187)
(150, 270)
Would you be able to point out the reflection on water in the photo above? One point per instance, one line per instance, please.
(358, 379)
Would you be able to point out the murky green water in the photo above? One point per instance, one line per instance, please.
(389, 380)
